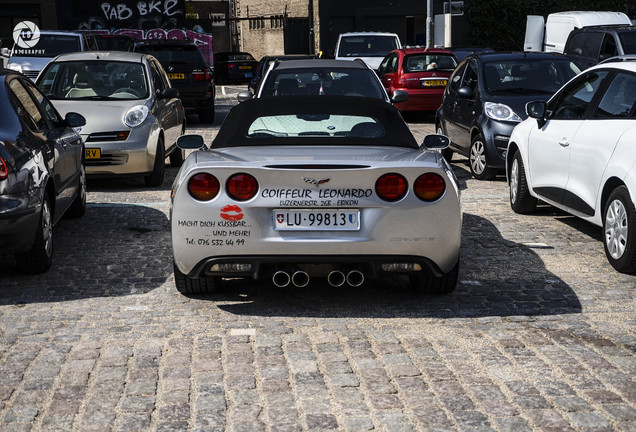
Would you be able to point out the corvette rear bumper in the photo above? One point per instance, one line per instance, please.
(261, 267)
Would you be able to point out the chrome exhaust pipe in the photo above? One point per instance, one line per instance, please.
(300, 279)
(336, 278)
(281, 279)
(355, 278)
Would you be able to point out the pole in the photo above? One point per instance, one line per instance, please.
(312, 45)
(429, 23)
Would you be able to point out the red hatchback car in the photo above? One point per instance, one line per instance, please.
(422, 72)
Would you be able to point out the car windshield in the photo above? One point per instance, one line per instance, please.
(528, 76)
(49, 46)
(429, 62)
(173, 54)
(94, 79)
(240, 56)
(317, 125)
(322, 81)
(367, 46)
(628, 41)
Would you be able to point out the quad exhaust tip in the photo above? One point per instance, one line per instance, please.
(281, 279)
(300, 279)
(355, 278)
(336, 278)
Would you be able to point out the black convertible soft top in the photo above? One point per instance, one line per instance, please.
(234, 130)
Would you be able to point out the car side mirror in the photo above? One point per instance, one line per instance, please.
(466, 92)
(73, 120)
(190, 142)
(244, 95)
(435, 141)
(168, 93)
(537, 110)
(399, 96)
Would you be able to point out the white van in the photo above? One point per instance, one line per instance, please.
(51, 43)
(550, 35)
(371, 47)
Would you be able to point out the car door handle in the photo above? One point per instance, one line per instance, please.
(564, 142)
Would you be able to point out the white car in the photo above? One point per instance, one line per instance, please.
(303, 187)
(577, 152)
(371, 47)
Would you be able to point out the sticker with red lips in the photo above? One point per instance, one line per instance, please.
(232, 213)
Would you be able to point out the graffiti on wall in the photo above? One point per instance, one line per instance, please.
(116, 14)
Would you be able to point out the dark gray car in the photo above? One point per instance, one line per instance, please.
(42, 173)
(486, 98)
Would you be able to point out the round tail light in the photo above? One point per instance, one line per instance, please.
(391, 187)
(203, 186)
(429, 187)
(4, 172)
(242, 187)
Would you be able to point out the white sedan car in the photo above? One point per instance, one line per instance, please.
(304, 187)
(577, 152)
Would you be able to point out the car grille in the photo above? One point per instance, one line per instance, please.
(108, 136)
(108, 159)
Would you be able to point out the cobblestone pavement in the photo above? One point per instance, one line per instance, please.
(539, 334)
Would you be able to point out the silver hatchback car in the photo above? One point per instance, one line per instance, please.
(133, 115)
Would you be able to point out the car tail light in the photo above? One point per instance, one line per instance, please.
(231, 65)
(429, 187)
(203, 186)
(4, 172)
(391, 187)
(401, 81)
(202, 75)
(242, 187)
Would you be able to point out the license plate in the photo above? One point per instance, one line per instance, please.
(245, 67)
(434, 83)
(316, 220)
(92, 153)
(176, 76)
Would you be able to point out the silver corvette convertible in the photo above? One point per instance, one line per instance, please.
(295, 189)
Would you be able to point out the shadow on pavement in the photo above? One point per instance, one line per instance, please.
(114, 250)
(497, 278)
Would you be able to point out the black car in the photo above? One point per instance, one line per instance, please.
(234, 67)
(486, 98)
(188, 71)
(42, 173)
(264, 64)
(590, 45)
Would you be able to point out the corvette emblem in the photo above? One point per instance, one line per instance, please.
(316, 182)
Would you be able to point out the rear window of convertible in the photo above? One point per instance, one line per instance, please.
(316, 125)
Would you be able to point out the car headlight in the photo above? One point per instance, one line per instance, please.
(136, 115)
(499, 111)
(15, 66)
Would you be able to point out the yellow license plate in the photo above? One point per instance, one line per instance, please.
(92, 153)
(434, 83)
(176, 76)
(245, 67)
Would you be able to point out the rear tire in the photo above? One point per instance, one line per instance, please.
(188, 285)
(477, 160)
(155, 179)
(39, 258)
(206, 116)
(619, 229)
(520, 199)
(447, 152)
(428, 284)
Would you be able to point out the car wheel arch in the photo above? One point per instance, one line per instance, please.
(512, 149)
(609, 186)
